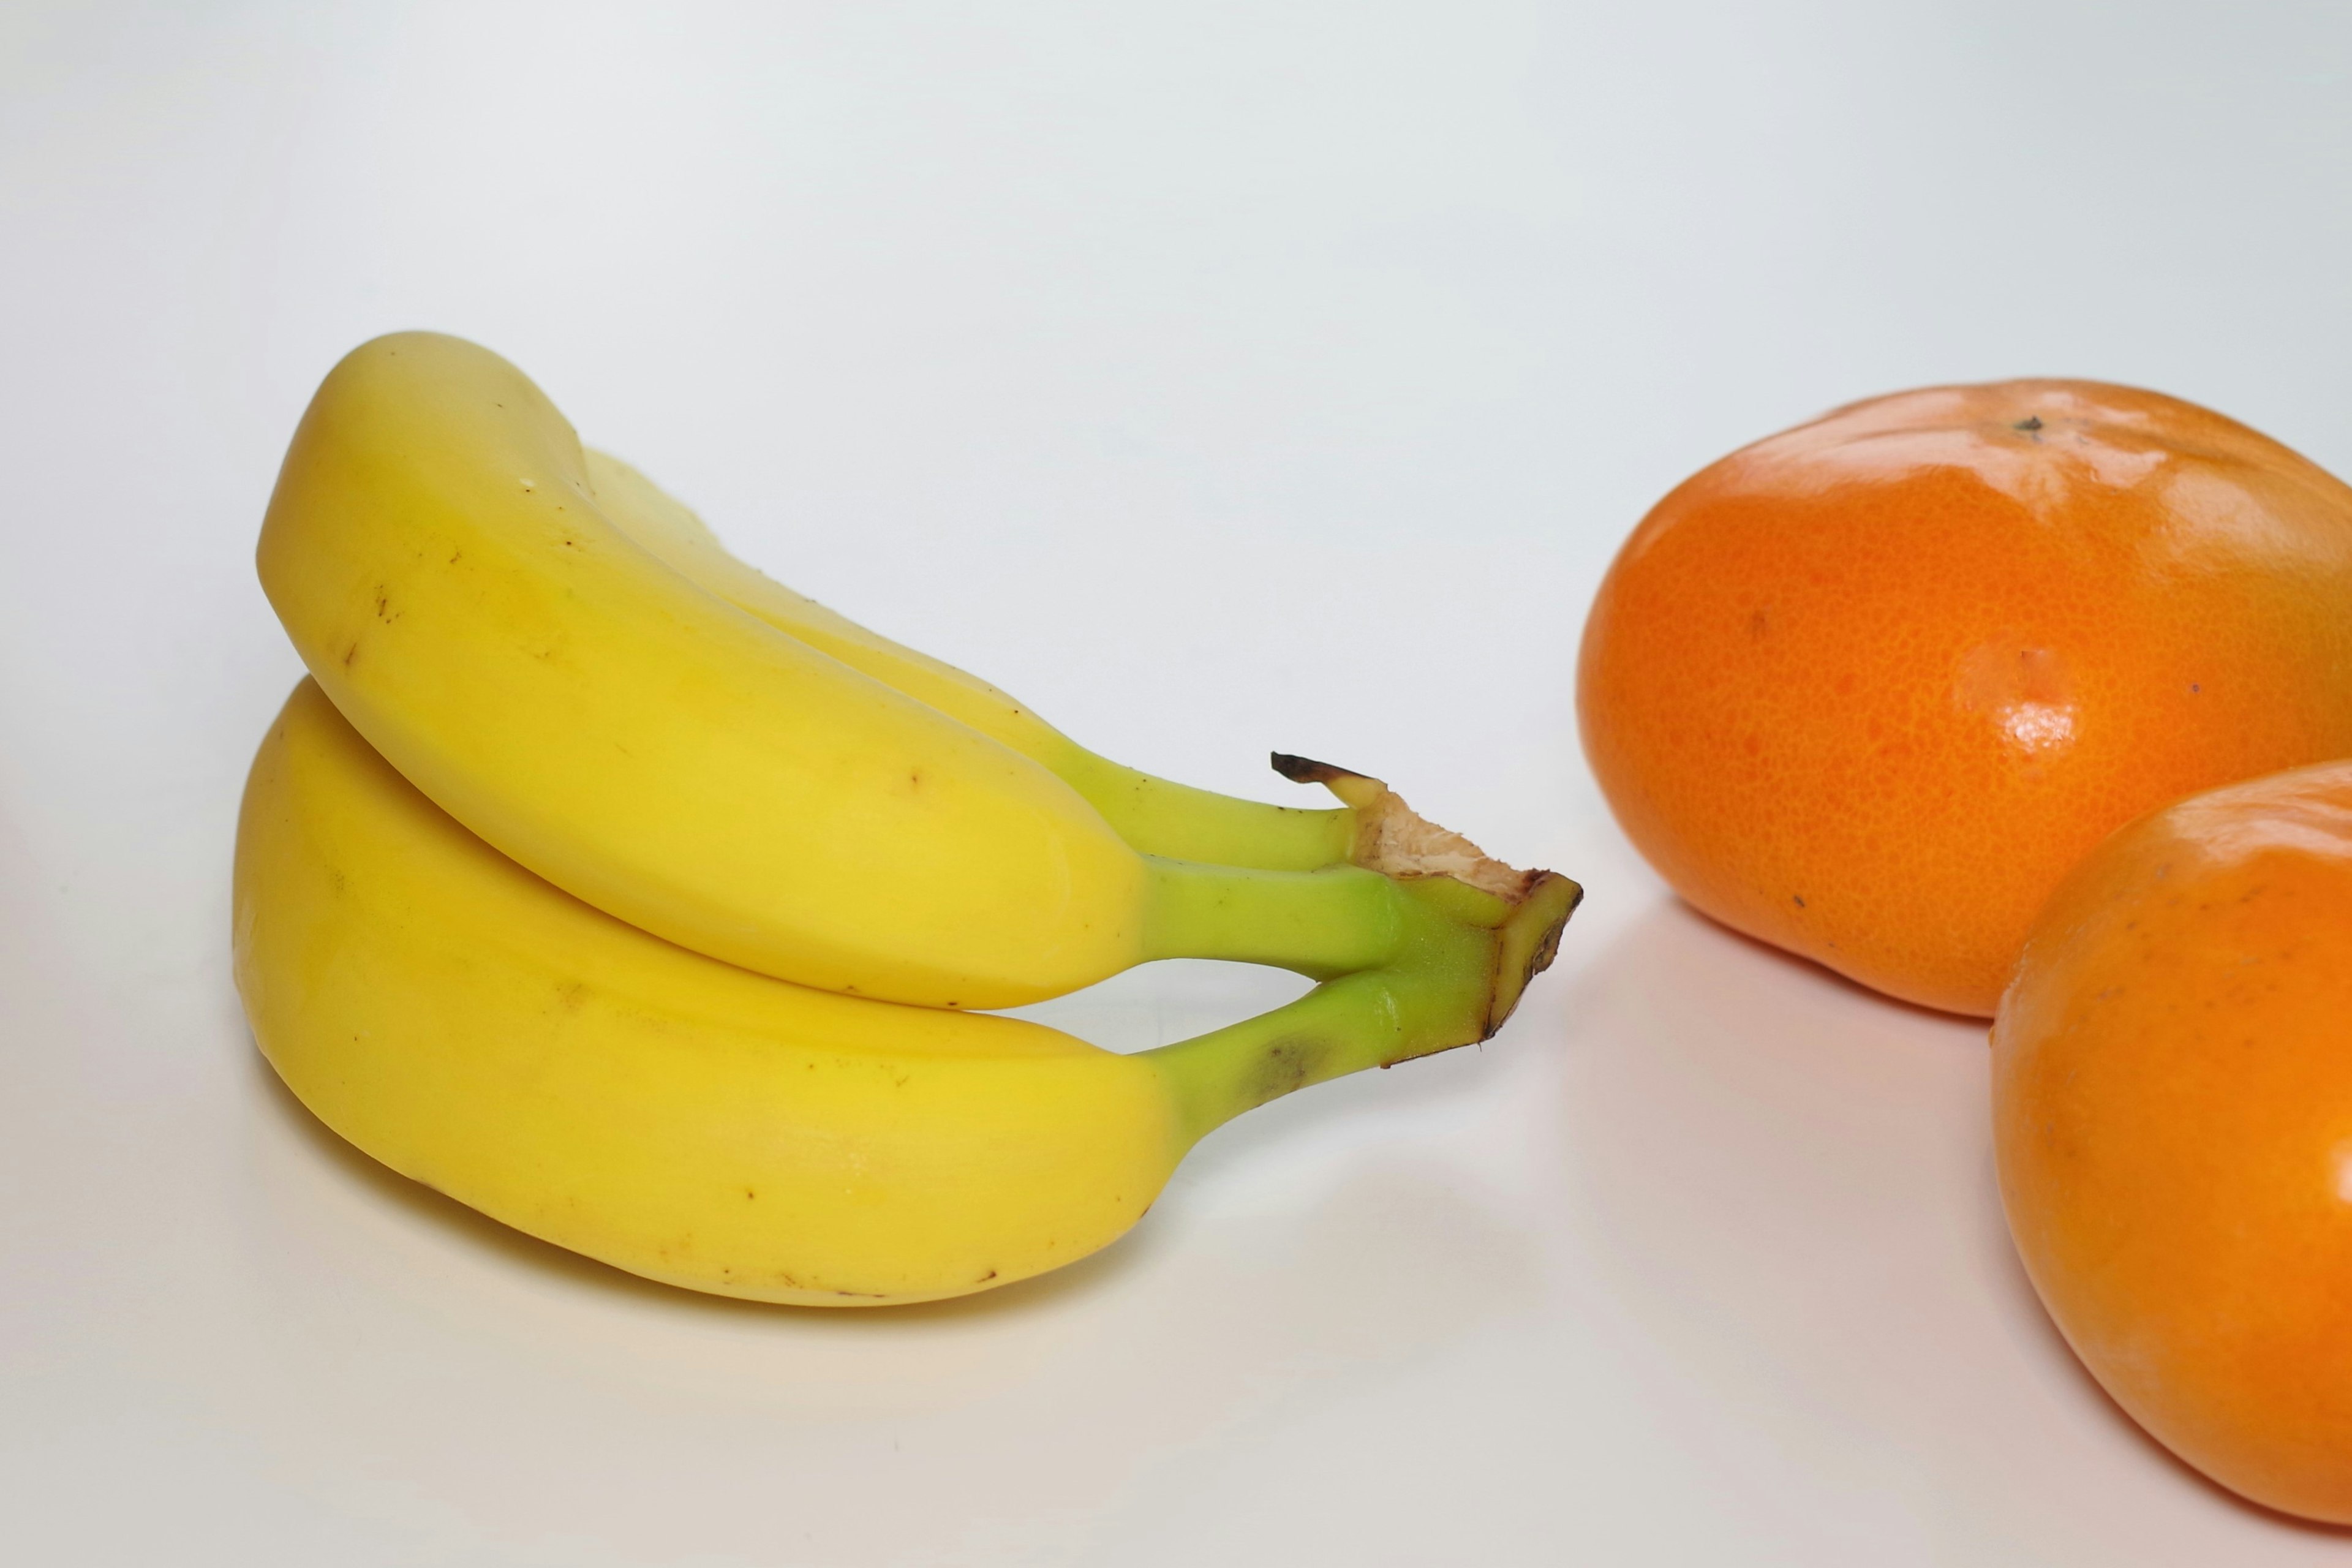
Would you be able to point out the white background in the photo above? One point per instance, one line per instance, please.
(1219, 377)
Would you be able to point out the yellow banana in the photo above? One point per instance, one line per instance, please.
(1153, 815)
(438, 553)
(478, 1029)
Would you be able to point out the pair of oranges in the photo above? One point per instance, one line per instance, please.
(1911, 690)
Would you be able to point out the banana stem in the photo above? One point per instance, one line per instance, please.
(1319, 923)
(1450, 982)
(1156, 817)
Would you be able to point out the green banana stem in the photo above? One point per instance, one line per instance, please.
(1403, 877)
(1318, 923)
(1450, 982)
(1156, 817)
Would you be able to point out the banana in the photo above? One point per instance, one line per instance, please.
(476, 1029)
(1153, 815)
(438, 550)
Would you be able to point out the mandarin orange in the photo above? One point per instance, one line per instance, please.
(1867, 689)
(2173, 1089)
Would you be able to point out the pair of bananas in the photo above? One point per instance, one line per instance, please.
(611, 888)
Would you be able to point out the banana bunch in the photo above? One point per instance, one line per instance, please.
(611, 888)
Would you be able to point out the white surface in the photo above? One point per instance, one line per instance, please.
(1220, 378)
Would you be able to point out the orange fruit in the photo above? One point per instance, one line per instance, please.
(2172, 1090)
(1868, 689)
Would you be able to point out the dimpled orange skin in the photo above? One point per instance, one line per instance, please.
(1866, 690)
(2172, 1093)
